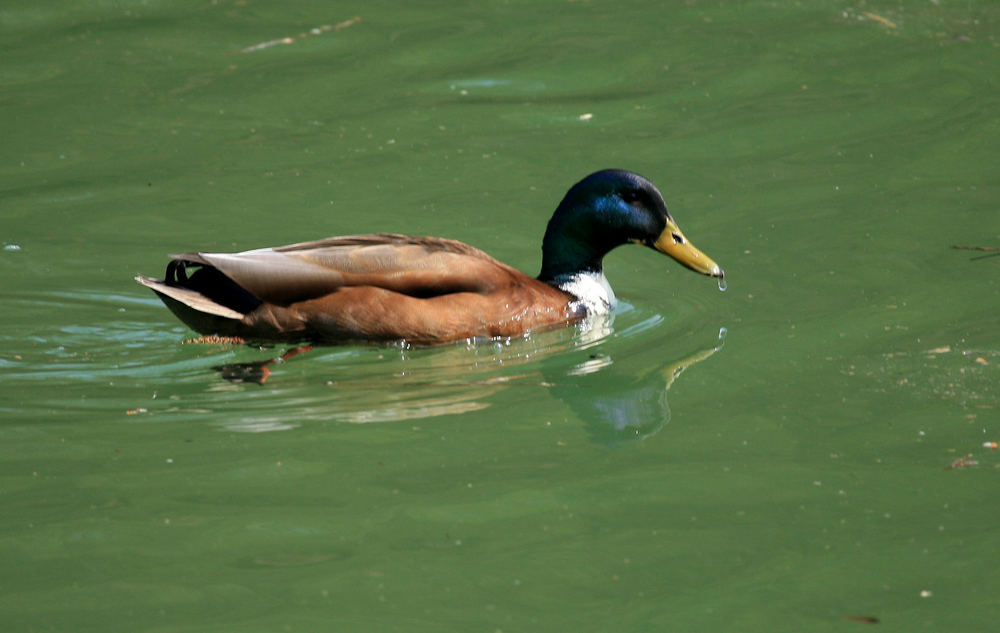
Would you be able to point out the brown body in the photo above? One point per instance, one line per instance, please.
(382, 288)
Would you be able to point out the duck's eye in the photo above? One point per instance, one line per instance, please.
(631, 197)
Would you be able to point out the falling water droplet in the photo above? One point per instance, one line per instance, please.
(722, 283)
(722, 338)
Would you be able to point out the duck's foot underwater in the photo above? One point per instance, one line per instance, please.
(256, 372)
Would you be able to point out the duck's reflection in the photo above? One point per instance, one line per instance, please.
(621, 395)
(618, 405)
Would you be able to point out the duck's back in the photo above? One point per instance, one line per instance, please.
(377, 287)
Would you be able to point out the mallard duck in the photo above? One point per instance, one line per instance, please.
(425, 290)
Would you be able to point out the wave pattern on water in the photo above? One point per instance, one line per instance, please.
(142, 370)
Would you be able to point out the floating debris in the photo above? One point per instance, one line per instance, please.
(586, 117)
(992, 250)
(965, 461)
(135, 411)
(878, 18)
(976, 248)
(268, 44)
(319, 30)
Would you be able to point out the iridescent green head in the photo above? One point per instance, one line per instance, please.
(605, 210)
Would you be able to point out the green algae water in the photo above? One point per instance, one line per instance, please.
(808, 451)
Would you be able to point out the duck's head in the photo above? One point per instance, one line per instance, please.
(607, 209)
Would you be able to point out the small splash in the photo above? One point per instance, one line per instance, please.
(12, 247)
(722, 283)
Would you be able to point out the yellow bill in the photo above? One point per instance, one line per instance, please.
(672, 242)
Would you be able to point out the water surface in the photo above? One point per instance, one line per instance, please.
(637, 474)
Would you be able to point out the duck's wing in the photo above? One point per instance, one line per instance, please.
(415, 266)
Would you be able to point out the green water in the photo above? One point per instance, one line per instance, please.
(826, 155)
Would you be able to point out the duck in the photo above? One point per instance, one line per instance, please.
(389, 288)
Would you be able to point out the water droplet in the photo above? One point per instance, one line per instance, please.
(722, 338)
(722, 284)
